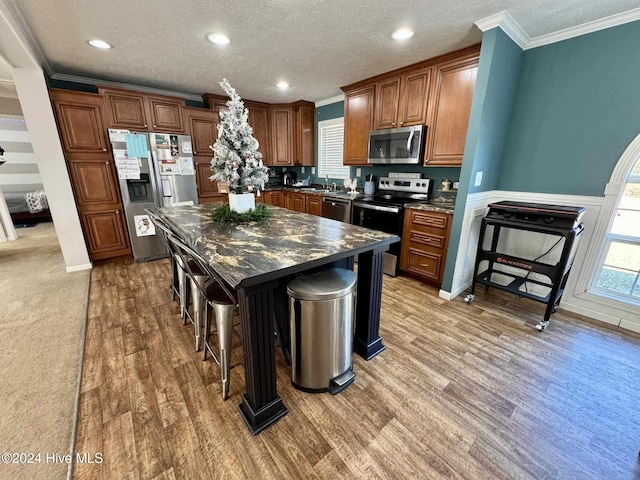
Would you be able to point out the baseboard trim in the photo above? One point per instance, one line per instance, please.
(76, 407)
(445, 295)
(628, 325)
(79, 268)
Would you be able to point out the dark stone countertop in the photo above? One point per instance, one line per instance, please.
(431, 207)
(289, 242)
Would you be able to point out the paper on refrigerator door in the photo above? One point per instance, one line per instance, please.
(136, 144)
(186, 166)
(117, 135)
(128, 167)
(144, 226)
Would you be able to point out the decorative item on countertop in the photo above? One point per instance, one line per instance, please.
(352, 185)
(369, 185)
(446, 184)
(223, 213)
(236, 159)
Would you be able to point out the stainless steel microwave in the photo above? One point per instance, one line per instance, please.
(397, 145)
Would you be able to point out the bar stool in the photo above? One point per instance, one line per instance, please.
(179, 267)
(219, 297)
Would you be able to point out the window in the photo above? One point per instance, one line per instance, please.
(331, 133)
(618, 272)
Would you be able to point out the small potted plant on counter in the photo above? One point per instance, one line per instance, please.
(236, 159)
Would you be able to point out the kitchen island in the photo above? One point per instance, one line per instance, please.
(258, 259)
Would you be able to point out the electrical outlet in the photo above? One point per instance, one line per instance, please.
(302, 170)
(313, 170)
(284, 169)
(478, 181)
(358, 172)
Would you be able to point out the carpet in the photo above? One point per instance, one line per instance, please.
(42, 319)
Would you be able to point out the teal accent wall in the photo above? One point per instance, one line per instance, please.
(577, 109)
(491, 110)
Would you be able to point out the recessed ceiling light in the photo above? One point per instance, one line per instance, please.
(402, 34)
(218, 38)
(100, 44)
(282, 85)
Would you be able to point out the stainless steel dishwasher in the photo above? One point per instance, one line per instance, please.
(336, 209)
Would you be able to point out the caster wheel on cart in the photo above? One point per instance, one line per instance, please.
(469, 298)
(542, 326)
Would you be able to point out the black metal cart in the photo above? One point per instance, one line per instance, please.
(563, 222)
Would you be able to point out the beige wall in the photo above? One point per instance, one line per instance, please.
(37, 111)
(10, 106)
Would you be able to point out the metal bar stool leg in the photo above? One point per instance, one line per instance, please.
(198, 307)
(182, 289)
(224, 323)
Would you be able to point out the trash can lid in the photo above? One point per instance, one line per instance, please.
(325, 285)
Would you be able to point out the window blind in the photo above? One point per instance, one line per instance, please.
(331, 133)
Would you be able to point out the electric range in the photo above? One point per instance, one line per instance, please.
(384, 211)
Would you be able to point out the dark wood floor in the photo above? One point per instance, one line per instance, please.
(462, 391)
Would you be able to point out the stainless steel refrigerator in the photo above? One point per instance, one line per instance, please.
(154, 170)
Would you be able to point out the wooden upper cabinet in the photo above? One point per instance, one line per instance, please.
(165, 114)
(79, 118)
(452, 95)
(402, 101)
(259, 121)
(281, 133)
(358, 120)
(415, 97)
(303, 134)
(215, 102)
(125, 109)
(387, 96)
(93, 180)
(203, 128)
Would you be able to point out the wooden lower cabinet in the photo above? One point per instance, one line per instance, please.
(105, 234)
(297, 202)
(313, 205)
(425, 239)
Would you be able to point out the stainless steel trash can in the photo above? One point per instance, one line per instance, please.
(322, 320)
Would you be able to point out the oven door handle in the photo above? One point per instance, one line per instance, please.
(379, 208)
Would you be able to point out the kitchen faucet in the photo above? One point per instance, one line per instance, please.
(326, 182)
(334, 186)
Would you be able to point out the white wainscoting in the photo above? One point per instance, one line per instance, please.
(576, 297)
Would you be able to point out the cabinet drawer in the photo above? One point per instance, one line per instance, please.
(430, 219)
(428, 239)
(424, 263)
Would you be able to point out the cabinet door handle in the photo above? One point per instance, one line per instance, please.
(195, 153)
(145, 125)
(117, 212)
(106, 163)
(401, 123)
(104, 149)
(393, 124)
(155, 126)
(424, 264)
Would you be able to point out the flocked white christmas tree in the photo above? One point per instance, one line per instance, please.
(235, 154)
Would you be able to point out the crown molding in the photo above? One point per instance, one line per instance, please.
(330, 100)
(585, 28)
(22, 23)
(508, 25)
(127, 86)
(514, 31)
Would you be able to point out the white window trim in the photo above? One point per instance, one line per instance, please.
(613, 193)
(323, 124)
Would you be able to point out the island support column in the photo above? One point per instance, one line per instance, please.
(367, 342)
(261, 406)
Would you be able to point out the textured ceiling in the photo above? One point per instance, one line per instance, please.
(315, 45)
